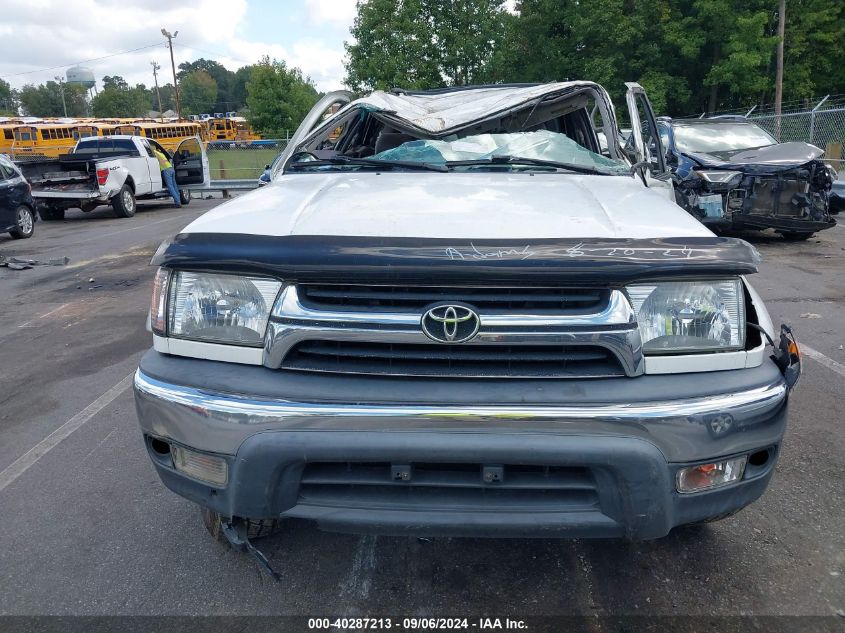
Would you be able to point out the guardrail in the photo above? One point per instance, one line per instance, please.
(235, 183)
(227, 185)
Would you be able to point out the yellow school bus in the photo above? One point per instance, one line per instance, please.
(233, 128)
(169, 135)
(95, 128)
(24, 142)
(53, 139)
(7, 136)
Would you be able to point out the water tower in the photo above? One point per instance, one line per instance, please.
(81, 76)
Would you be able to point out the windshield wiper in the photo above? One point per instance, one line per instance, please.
(518, 160)
(369, 162)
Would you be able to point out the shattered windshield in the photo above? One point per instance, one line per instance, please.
(541, 145)
(720, 137)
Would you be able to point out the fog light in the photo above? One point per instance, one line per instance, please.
(706, 476)
(208, 468)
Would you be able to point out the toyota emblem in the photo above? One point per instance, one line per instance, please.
(451, 323)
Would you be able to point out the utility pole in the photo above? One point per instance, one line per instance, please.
(156, 68)
(61, 83)
(779, 73)
(170, 37)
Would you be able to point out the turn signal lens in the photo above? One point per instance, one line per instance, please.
(706, 476)
(158, 306)
(200, 466)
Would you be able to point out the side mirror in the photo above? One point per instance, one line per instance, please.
(266, 166)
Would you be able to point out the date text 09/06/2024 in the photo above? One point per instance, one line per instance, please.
(416, 623)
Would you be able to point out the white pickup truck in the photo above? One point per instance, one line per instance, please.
(460, 315)
(116, 170)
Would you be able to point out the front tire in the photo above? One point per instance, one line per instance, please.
(213, 522)
(24, 223)
(123, 203)
(184, 196)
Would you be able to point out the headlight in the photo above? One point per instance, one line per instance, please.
(213, 307)
(721, 177)
(690, 316)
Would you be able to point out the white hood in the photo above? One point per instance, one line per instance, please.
(453, 205)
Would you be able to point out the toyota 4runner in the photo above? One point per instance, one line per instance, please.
(453, 312)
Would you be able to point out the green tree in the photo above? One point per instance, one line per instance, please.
(728, 47)
(168, 98)
(46, 99)
(115, 81)
(8, 100)
(690, 55)
(222, 76)
(198, 91)
(814, 57)
(423, 43)
(238, 86)
(117, 99)
(607, 41)
(278, 97)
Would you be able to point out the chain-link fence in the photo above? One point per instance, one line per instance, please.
(821, 123)
(242, 160)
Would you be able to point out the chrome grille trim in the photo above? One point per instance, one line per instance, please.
(613, 327)
(487, 299)
(617, 312)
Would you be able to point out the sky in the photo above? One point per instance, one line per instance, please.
(40, 39)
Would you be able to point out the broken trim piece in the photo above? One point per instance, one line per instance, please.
(15, 263)
(236, 533)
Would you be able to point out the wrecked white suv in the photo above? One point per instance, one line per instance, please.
(453, 313)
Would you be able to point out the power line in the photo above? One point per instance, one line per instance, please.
(84, 61)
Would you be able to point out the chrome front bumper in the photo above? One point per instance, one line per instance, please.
(685, 428)
(631, 452)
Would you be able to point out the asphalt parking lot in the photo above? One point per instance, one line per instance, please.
(89, 529)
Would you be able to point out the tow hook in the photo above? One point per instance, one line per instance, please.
(236, 532)
(787, 356)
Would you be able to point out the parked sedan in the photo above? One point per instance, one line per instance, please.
(730, 173)
(17, 209)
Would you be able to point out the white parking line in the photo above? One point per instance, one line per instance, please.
(43, 316)
(29, 459)
(817, 356)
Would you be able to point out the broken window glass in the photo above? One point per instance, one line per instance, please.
(540, 145)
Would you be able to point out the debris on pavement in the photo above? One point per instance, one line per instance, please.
(15, 263)
(811, 315)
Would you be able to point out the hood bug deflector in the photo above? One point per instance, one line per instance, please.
(352, 259)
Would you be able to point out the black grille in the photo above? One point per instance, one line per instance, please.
(488, 300)
(448, 486)
(488, 361)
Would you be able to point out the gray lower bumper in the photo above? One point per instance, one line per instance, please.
(611, 464)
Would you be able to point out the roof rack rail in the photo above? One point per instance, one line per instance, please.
(448, 89)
